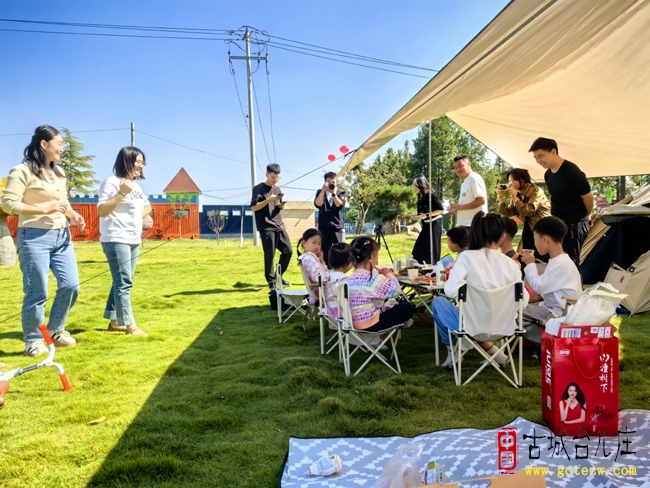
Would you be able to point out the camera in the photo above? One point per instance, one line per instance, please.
(503, 187)
(331, 185)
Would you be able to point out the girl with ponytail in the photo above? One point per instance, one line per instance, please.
(482, 266)
(370, 287)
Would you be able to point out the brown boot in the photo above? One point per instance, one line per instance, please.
(113, 327)
(134, 330)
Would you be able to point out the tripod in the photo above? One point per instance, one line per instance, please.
(379, 235)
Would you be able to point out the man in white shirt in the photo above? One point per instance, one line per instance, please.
(473, 195)
(561, 277)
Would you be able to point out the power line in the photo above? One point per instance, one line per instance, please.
(348, 55)
(101, 34)
(71, 132)
(349, 62)
(259, 118)
(189, 147)
(268, 87)
(120, 26)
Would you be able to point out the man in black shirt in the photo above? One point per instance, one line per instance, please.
(571, 196)
(330, 201)
(267, 203)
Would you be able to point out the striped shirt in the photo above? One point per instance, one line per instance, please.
(367, 296)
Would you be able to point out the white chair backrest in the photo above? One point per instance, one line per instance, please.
(491, 311)
(311, 289)
(342, 295)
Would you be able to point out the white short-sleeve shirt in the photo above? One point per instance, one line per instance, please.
(124, 224)
(473, 186)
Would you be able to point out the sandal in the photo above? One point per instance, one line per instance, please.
(116, 328)
(134, 330)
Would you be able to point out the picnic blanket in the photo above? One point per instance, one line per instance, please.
(466, 454)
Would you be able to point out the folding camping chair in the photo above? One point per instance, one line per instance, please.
(312, 299)
(349, 332)
(489, 315)
(294, 300)
(326, 318)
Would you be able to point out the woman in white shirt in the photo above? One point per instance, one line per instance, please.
(482, 266)
(121, 207)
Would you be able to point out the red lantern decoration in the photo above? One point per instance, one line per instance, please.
(331, 158)
(344, 149)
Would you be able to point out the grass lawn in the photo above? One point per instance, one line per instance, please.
(212, 396)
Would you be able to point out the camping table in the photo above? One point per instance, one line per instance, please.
(425, 293)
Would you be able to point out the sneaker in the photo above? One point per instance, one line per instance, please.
(285, 282)
(63, 339)
(34, 349)
(537, 353)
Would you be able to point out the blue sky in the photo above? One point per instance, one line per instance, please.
(182, 90)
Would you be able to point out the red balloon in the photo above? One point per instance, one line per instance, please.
(344, 149)
(331, 158)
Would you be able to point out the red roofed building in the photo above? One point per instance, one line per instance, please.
(182, 183)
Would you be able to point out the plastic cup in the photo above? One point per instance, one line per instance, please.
(413, 273)
(528, 251)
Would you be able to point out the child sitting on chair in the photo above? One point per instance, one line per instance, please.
(458, 239)
(312, 260)
(482, 266)
(561, 277)
(370, 287)
(340, 260)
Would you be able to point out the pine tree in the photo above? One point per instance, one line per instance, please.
(79, 172)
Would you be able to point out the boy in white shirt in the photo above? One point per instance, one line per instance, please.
(561, 277)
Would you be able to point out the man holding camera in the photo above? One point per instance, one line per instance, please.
(330, 201)
(266, 205)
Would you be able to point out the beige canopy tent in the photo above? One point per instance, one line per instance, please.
(574, 71)
(621, 234)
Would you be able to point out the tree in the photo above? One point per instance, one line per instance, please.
(361, 183)
(180, 203)
(216, 222)
(80, 176)
(394, 203)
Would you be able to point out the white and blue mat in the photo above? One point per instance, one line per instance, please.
(467, 454)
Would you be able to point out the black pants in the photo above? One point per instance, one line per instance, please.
(422, 248)
(528, 242)
(399, 314)
(272, 240)
(574, 238)
(330, 237)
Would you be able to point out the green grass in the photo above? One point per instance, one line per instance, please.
(213, 395)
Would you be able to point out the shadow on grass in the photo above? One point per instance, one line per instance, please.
(192, 429)
(214, 291)
(12, 335)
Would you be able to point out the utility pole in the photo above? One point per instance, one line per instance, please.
(132, 134)
(251, 125)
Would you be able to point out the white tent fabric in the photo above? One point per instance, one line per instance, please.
(574, 71)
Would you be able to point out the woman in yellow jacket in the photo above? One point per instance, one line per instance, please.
(528, 202)
(36, 192)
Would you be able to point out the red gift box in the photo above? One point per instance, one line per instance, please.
(580, 385)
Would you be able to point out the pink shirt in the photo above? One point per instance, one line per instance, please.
(368, 294)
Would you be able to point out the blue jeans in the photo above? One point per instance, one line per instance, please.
(122, 259)
(446, 316)
(40, 250)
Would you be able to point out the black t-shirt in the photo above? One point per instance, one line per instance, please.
(268, 217)
(566, 188)
(423, 204)
(330, 216)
